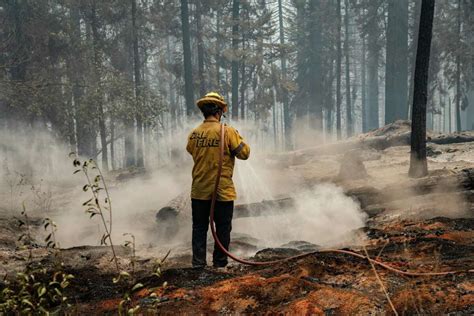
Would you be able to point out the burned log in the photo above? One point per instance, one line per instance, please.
(373, 201)
(371, 140)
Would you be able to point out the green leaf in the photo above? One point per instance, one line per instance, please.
(27, 302)
(78, 170)
(132, 311)
(137, 287)
(87, 202)
(85, 188)
(41, 291)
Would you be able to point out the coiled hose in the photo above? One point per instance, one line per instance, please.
(264, 263)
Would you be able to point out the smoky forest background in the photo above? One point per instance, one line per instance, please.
(117, 80)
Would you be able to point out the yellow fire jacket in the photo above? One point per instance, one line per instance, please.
(203, 145)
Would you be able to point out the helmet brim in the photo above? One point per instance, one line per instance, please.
(206, 100)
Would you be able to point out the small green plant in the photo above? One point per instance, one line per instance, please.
(35, 292)
(96, 205)
(25, 238)
(131, 244)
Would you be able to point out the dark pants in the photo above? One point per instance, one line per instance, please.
(223, 220)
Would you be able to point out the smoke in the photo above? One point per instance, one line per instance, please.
(322, 214)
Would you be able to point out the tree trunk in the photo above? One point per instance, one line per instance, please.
(364, 86)
(349, 126)
(373, 53)
(138, 87)
(338, 71)
(235, 62)
(243, 86)
(112, 143)
(413, 47)
(418, 164)
(458, 72)
(85, 130)
(188, 70)
(284, 74)
(218, 49)
(396, 65)
(200, 49)
(98, 86)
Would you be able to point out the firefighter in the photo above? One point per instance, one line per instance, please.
(203, 145)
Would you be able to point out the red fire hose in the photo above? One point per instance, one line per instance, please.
(263, 263)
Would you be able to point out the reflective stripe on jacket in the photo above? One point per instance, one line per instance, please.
(203, 145)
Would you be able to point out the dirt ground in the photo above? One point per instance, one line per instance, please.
(426, 230)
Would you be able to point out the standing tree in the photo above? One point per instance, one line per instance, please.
(235, 62)
(396, 65)
(458, 69)
(349, 127)
(338, 70)
(373, 56)
(286, 106)
(418, 164)
(188, 71)
(138, 86)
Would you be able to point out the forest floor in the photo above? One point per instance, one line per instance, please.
(423, 225)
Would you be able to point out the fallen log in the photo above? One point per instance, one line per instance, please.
(372, 201)
(367, 142)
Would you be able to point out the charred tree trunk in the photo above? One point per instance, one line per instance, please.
(235, 62)
(349, 126)
(138, 87)
(188, 70)
(413, 47)
(364, 86)
(373, 55)
(458, 72)
(418, 164)
(112, 143)
(200, 49)
(338, 71)
(396, 65)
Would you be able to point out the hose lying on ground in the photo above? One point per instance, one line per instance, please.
(264, 263)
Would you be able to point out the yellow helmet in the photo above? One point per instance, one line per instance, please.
(214, 98)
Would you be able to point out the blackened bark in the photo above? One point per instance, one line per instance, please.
(85, 131)
(364, 86)
(458, 72)
(418, 164)
(235, 62)
(313, 86)
(396, 65)
(349, 127)
(416, 28)
(188, 70)
(373, 55)
(338, 71)
(112, 143)
(138, 87)
(200, 49)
